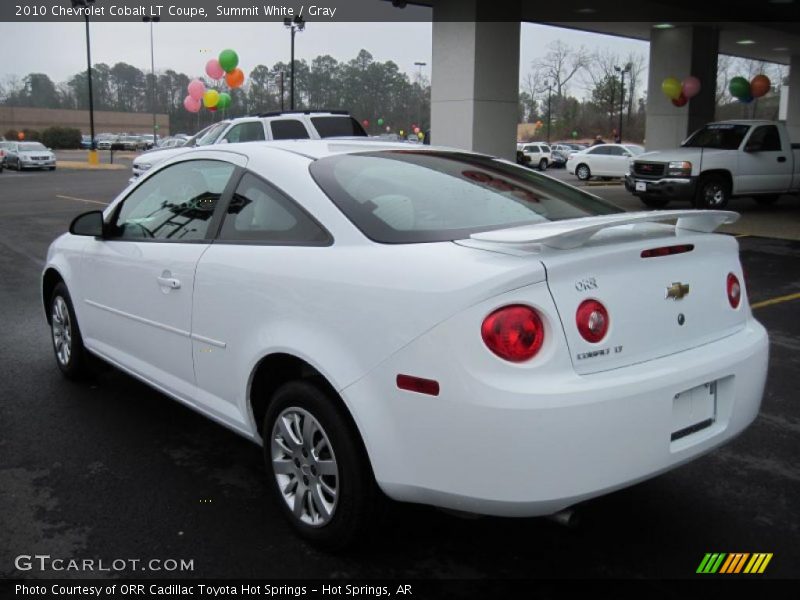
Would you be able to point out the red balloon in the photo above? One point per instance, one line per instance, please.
(212, 108)
(365, 123)
(680, 100)
(759, 86)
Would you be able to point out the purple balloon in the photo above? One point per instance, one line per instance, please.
(196, 89)
(191, 104)
(214, 70)
(691, 86)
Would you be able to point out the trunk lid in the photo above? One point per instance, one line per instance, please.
(645, 322)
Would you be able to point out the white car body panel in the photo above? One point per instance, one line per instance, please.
(501, 438)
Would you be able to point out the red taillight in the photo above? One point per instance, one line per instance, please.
(667, 250)
(514, 333)
(734, 290)
(592, 320)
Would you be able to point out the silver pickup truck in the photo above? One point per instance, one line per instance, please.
(718, 162)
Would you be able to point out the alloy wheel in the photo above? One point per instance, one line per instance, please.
(62, 330)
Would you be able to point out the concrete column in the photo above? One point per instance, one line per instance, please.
(474, 79)
(793, 105)
(680, 52)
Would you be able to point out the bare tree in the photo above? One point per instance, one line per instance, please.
(561, 64)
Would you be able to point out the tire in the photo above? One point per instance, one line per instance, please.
(654, 201)
(713, 192)
(51, 168)
(71, 356)
(766, 200)
(356, 499)
(543, 164)
(583, 172)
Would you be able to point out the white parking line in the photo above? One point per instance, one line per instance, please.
(82, 200)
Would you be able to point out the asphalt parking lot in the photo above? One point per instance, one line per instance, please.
(113, 469)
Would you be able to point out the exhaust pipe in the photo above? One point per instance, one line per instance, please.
(568, 518)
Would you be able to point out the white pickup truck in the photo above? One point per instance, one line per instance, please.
(718, 162)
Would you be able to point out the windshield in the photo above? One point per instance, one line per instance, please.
(409, 196)
(31, 147)
(725, 136)
(328, 127)
(208, 135)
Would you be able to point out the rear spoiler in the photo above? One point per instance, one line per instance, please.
(572, 233)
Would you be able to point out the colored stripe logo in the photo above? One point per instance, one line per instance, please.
(734, 562)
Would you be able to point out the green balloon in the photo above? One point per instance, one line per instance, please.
(380, 122)
(228, 60)
(574, 134)
(224, 101)
(739, 87)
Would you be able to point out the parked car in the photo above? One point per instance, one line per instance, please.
(558, 158)
(28, 155)
(86, 142)
(104, 143)
(718, 162)
(132, 142)
(538, 154)
(602, 160)
(463, 342)
(286, 125)
(172, 142)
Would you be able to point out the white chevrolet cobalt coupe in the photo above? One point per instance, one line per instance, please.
(437, 326)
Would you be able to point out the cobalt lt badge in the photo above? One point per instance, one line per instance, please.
(677, 290)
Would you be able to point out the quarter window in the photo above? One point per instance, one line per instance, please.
(259, 212)
(288, 129)
(175, 204)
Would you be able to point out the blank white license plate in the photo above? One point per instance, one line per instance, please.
(694, 409)
(641, 186)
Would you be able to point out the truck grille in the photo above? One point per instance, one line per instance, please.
(648, 169)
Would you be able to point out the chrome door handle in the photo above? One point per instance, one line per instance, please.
(169, 282)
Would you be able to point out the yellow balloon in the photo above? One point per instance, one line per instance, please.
(421, 135)
(671, 87)
(210, 98)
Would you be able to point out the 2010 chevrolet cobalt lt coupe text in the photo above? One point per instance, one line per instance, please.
(436, 326)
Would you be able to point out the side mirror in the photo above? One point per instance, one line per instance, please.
(89, 224)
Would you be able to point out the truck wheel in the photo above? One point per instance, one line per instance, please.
(713, 192)
(543, 164)
(767, 200)
(583, 172)
(321, 476)
(654, 201)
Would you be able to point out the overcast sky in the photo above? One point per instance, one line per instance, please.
(59, 49)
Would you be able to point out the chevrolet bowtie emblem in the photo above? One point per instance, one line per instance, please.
(677, 290)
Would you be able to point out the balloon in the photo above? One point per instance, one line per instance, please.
(21, 135)
(191, 104)
(574, 134)
(214, 70)
(401, 133)
(420, 135)
(739, 87)
(416, 129)
(210, 98)
(760, 85)
(224, 101)
(228, 60)
(196, 89)
(212, 108)
(671, 87)
(365, 123)
(388, 129)
(380, 122)
(680, 100)
(235, 78)
(691, 86)
(745, 99)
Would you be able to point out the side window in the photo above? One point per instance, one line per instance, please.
(288, 129)
(546, 149)
(259, 212)
(766, 138)
(252, 131)
(531, 148)
(600, 149)
(616, 151)
(175, 204)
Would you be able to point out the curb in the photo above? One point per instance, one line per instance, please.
(85, 166)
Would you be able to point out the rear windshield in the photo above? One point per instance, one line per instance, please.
(409, 196)
(328, 127)
(725, 136)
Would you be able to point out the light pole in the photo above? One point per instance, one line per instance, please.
(622, 72)
(93, 147)
(294, 25)
(152, 20)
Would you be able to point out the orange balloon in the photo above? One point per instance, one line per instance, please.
(235, 78)
(21, 136)
(759, 86)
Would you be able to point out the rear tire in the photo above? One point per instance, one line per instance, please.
(71, 356)
(654, 201)
(583, 172)
(312, 448)
(713, 192)
(543, 164)
(767, 200)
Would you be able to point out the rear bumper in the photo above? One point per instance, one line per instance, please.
(666, 187)
(501, 450)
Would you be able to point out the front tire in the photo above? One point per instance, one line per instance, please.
(71, 356)
(583, 172)
(713, 192)
(321, 477)
(654, 201)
